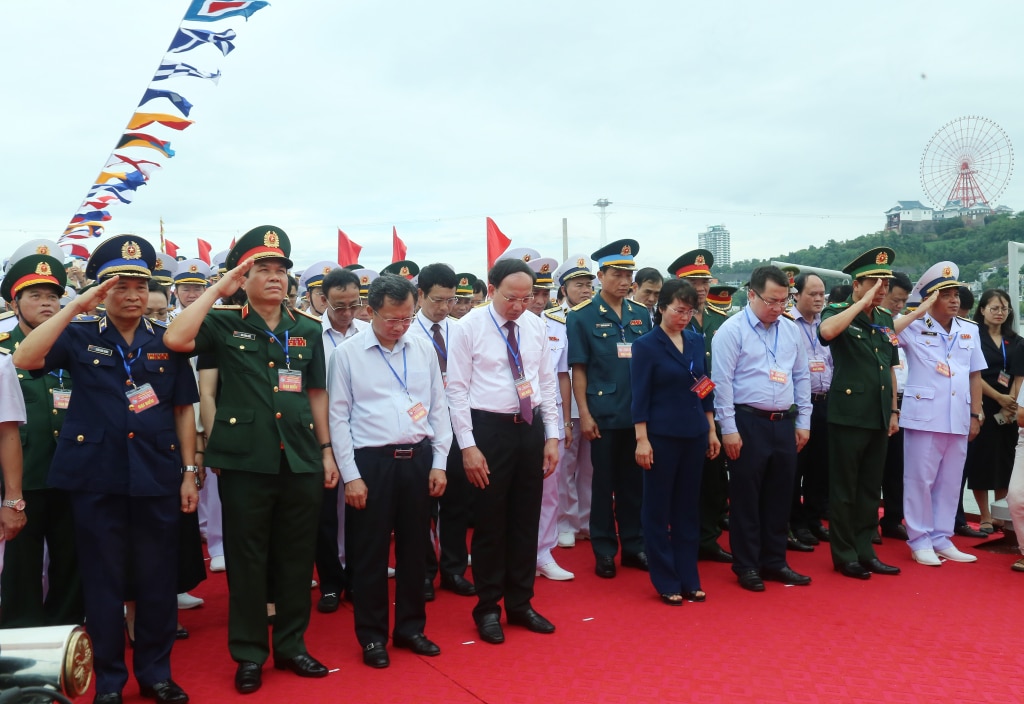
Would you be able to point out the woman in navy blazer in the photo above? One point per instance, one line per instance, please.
(673, 412)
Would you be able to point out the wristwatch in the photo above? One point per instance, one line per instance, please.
(976, 415)
(195, 470)
(16, 504)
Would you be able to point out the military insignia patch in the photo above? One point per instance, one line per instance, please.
(946, 271)
(271, 239)
(545, 269)
(327, 270)
(882, 258)
(581, 262)
(194, 269)
(44, 269)
(130, 250)
(43, 249)
(699, 259)
(626, 251)
(404, 271)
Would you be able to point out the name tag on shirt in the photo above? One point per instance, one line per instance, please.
(523, 388)
(777, 376)
(417, 412)
(703, 386)
(818, 366)
(1004, 378)
(141, 399)
(289, 380)
(942, 368)
(61, 399)
(624, 350)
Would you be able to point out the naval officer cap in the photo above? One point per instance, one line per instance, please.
(218, 262)
(617, 255)
(937, 277)
(193, 271)
(876, 263)
(366, 277)
(695, 264)
(525, 254)
(122, 255)
(47, 247)
(573, 268)
(263, 242)
(543, 272)
(163, 269)
(313, 276)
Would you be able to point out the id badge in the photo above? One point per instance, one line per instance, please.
(942, 368)
(1004, 379)
(703, 386)
(61, 399)
(624, 350)
(444, 379)
(523, 388)
(818, 366)
(141, 398)
(778, 376)
(417, 412)
(289, 380)
(892, 338)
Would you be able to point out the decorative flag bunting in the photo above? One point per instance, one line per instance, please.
(348, 251)
(497, 243)
(187, 39)
(138, 139)
(76, 250)
(130, 179)
(98, 215)
(167, 70)
(146, 167)
(398, 247)
(144, 119)
(176, 99)
(213, 10)
(204, 250)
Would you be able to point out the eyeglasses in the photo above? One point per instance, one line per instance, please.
(684, 312)
(398, 322)
(525, 300)
(342, 308)
(772, 304)
(444, 301)
(998, 310)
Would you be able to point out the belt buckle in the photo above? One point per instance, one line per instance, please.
(517, 418)
(403, 454)
(776, 415)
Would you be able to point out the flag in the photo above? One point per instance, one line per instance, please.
(167, 70)
(118, 190)
(171, 249)
(348, 251)
(138, 139)
(98, 215)
(188, 39)
(100, 203)
(176, 99)
(213, 10)
(146, 167)
(398, 247)
(497, 243)
(83, 230)
(76, 250)
(204, 250)
(142, 119)
(131, 179)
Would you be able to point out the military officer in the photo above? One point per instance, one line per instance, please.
(464, 292)
(12, 416)
(404, 268)
(312, 280)
(190, 280)
(601, 334)
(366, 277)
(862, 411)
(720, 297)
(695, 267)
(124, 456)
(271, 441)
(34, 285)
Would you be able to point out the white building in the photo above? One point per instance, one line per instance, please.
(716, 240)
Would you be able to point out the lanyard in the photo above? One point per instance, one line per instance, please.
(60, 373)
(287, 352)
(331, 336)
(515, 355)
(1002, 348)
(403, 380)
(764, 340)
(442, 352)
(813, 339)
(952, 340)
(128, 365)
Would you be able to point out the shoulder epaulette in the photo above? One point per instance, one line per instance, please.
(4, 351)
(715, 309)
(225, 306)
(555, 315)
(787, 315)
(85, 319)
(310, 316)
(484, 304)
(6, 314)
(583, 304)
(967, 320)
(842, 304)
(159, 323)
(884, 310)
(4, 336)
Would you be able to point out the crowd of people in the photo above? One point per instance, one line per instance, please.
(309, 425)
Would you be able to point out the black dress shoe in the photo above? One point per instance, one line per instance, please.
(489, 627)
(968, 532)
(328, 603)
(796, 546)
(531, 620)
(303, 665)
(876, 538)
(878, 567)
(639, 561)
(786, 575)
(458, 584)
(376, 655)
(417, 643)
(897, 532)
(751, 581)
(428, 590)
(820, 532)
(181, 633)
(723, 523)
(166, 692)
(853, 569)
(715, 554)
(605, 567)
(108, 698)
(805, 536)
(248, 677)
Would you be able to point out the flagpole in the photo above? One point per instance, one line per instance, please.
(163, 247)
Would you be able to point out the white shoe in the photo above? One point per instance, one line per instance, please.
(555, 573)
(951, 553)
(217, 564)
(391, 572)
(187, 601)
(567, 539)
(926, 557)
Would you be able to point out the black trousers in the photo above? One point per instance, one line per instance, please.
(398, 500)
(454, 515)
(714, 498)
(618, 489)
(811, 481)
(892, 483)
(328, 566)
(507, 511)
(760, 489)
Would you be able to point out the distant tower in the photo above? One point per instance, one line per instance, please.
(716, 240)
(603, 204)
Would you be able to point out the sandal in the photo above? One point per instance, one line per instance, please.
(986, 527)
(697, 596)
(1018, 566)
(677, 599)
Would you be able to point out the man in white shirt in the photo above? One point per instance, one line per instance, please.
(391, 433)
(500, 386)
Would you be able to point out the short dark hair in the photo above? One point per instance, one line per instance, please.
(839, 293)
(391, 286)
(675, 290)
(293, 283)
(157, 287)
(433, 275)
(966, 299)
(648, 273)
(480, 286)
(1007, 327)
(339, 278)
(800, 281)
(505, 268)
(900, 280)
(763, 274)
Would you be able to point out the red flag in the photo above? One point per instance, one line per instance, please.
(77, 251)
(348, 251)
(398, 247)
(497, 243)
(204, 250)
(171, 248)
(232, 245)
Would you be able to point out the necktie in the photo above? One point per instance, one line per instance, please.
(518, 370)
(442, 352)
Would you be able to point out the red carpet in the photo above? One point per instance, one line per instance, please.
(947, 634)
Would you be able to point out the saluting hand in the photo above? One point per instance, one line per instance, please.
(233, 280)
(95, 296)
(475, 464)
(355, 493)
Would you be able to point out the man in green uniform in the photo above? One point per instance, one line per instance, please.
(34, 284)
(862, 411)
(271, 441)
(695, 267)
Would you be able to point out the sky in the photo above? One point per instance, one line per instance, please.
(790, 123)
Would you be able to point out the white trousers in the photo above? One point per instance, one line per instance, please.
(575, 476)
(933, 467)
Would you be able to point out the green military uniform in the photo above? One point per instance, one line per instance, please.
(860, 400)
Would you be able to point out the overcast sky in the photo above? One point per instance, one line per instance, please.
(789, 123)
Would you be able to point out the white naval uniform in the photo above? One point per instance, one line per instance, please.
(547, 535)
(12, 407)
(575, 473)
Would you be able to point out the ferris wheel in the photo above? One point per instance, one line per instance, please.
(967, 162)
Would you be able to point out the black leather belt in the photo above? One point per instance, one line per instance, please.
(516, 418)
(819, 397)
(770, 415)
(400, 452)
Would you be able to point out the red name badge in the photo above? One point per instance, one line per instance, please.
(417, 412)
(703, 386)
(523, 388)
(1004, 378)
(141, 398)
(624, 350)
(778, 376)
(61, 399)
(818, 366)
(942, 368)
(289, 380)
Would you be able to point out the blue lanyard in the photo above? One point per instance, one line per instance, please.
(1002, 348)
(515, 355)
(331, 336)
(442, 352)
(128, 365)
(952, 339)
(813, 339)
(403, 381)
(60, 373)
(287, 352)
(764, 340)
